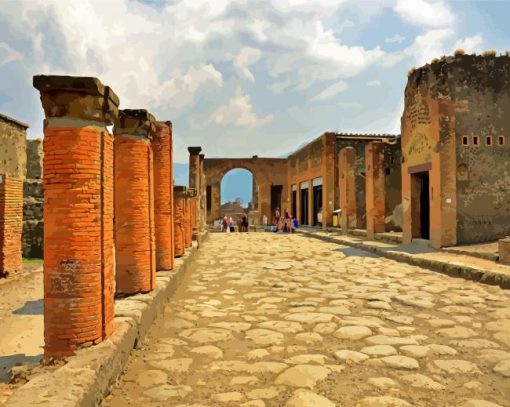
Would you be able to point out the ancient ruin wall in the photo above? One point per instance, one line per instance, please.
(13, 158)
(393, 184)
(12, 174)
(33, 201)
(480, 89)
(428, 145)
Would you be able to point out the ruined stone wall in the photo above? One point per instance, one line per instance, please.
(315, 160)
(12, 174)
(13, 157)
(451, 106)
(359, 146)
(428, 147)
(33, 201)
(393, 184)
(480, 89)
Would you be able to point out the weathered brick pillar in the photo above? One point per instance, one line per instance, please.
(179, 210)
(163, 205)
(187, 220)
(78, 212)
(193, 212)
(11, 224)
(134, 202)
(375, 191)
(346, 166)
(203, 196)
(194, 183)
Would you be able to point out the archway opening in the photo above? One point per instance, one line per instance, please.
(238, 193)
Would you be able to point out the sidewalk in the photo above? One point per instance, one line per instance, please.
(22, 321)
(419, 254)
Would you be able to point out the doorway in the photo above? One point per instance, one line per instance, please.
(276, 198)
(420, 205)
(303, 200)
(294, 201)
(317, 205)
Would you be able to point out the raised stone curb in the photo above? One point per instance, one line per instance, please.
(88, 376)
(486, 276)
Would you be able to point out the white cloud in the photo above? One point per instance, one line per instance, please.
(425, 13)
(247, 56)
(470, 44)
(374, 83)
(239, 112)
(396, 38)
(331, 91)
(7, 54)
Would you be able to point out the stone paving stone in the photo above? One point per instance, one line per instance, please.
(269, 320)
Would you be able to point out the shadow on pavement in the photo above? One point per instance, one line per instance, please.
(32, 307)
(7, 362)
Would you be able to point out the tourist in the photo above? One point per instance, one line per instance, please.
(232, 225)
(245, 223)
(224, 224)
(264, 222)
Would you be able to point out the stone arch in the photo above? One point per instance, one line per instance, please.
(269, 175)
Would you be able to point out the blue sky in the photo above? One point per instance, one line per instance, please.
(241, 77)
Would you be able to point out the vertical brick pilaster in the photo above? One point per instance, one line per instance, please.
(187, 220)
(346, 166)
(179, 211)
(375, 191)
(134, 202)
(194, 183)
(11, 224)
(202, 201)
(78, 212)
(161, 146)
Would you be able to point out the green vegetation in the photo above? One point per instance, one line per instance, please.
(28, 261)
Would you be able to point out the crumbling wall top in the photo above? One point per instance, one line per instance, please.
(135, 122)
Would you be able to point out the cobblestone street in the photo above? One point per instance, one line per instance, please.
(285, 320)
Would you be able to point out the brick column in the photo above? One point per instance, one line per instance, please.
(202, 201)
(375, 192)
(134, 202)
(187, 220)
(11, 224)
(194, 183)
(78, 212)
(162, 152)
(346, 166)
(179, 209)
(193, 211)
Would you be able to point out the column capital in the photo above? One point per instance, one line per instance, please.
(164, 123)
(202, 156)
(194, 150)
(135, 122)
(192, 192)
(77, 97)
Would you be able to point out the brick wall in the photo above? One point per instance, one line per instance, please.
(11, 214)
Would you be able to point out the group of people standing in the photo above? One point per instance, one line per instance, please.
(228, 225)
(281, 223)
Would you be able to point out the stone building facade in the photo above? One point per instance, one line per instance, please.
(12, 175)
(318, 173)
(33, 201)
(455, 129)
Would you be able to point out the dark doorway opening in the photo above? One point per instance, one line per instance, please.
(317, 205)
(420, 204)
(276, 198)
(294, 203)
(304, 206)
(208, 195)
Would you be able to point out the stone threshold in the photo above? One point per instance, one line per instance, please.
(89, 375)
(452, 265)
